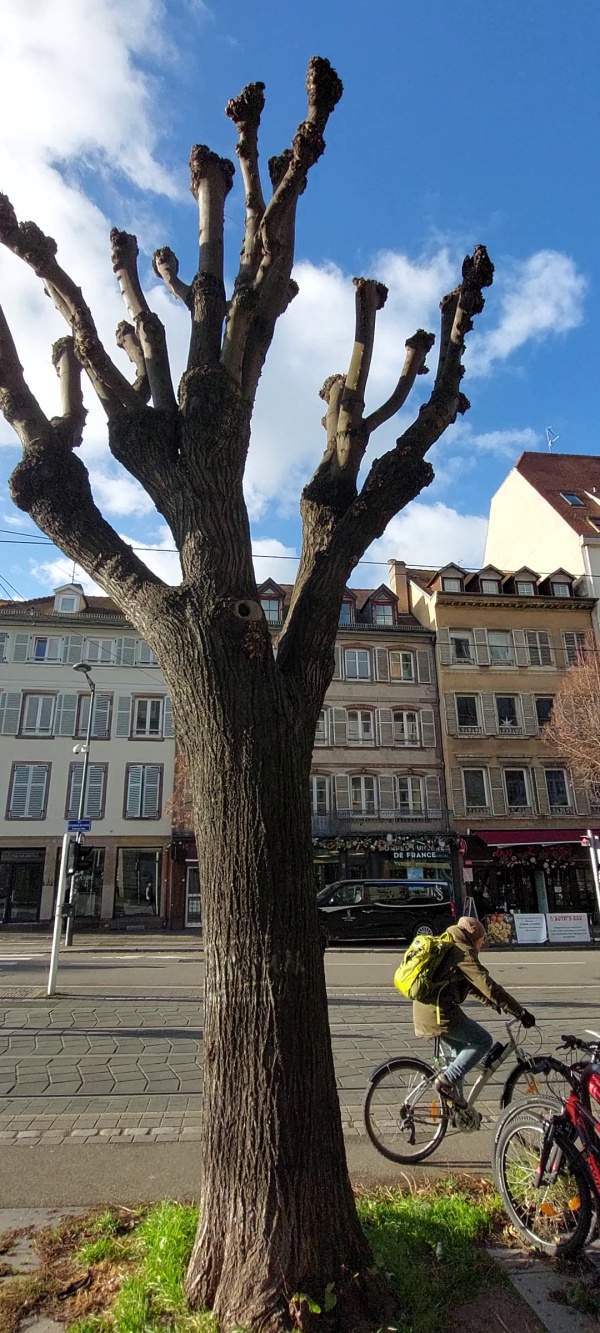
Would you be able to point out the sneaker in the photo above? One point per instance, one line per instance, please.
(449, 1090)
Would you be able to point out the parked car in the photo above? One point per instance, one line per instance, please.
(385, 909)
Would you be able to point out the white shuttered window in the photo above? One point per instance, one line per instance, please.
(28, 790)
(94, 791)
(143, 789)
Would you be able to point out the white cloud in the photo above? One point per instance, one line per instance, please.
(541, 296)
(505, 443)
(272, 560)
(430, 535)
(119, 494)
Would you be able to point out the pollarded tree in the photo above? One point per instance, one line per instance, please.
(277, 1212)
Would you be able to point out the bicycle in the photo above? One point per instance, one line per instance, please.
(406, 1116)
(549, 1185)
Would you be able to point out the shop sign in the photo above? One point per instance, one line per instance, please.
(568, 927)
(530, 927)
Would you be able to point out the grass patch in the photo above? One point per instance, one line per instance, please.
(122, 1271)
(430, 1243)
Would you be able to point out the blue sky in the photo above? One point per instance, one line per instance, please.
(459, 123)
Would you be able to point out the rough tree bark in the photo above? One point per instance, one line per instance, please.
(277, 1213)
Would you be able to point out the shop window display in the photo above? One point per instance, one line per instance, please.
(137, 889)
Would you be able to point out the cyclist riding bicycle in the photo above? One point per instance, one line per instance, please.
(461, 974)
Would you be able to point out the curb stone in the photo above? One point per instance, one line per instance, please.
(534, 1277)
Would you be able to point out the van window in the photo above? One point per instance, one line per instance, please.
(346, 895)
(389, 893)
(428, 893)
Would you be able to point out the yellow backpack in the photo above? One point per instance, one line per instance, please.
(415, 978)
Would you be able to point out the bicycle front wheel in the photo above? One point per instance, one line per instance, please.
(405, 1116)
(556, 1214)
(537, 1078)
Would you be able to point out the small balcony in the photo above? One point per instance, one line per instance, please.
(478, 811)
(520, 811)
(340, 822)
(470, 731)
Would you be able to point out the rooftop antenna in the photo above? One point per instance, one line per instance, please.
(551, 438)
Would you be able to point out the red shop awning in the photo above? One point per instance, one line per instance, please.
(518, 837)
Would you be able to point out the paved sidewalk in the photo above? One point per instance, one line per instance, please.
(128, 1069)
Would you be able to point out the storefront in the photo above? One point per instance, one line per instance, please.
(21, 883)
(509, 874)
(387, 856)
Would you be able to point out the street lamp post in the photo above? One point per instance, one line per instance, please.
(85, 749)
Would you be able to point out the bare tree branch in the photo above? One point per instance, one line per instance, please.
(338, 524)
(352, 437)
(148, 326)
(70, 425)
(245, 111)
(127, 339)
(39, 251)
(574, 726)
(166, 266)
(331, 393)
(17, 403)
(417, 349)
(211, 181)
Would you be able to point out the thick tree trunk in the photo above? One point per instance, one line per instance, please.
(277, 1214)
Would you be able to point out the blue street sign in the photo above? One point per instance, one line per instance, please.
(79, 826)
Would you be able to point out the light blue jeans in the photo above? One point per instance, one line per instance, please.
(467, 1043)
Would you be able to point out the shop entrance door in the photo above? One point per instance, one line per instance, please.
(193, 905)
(21, 881)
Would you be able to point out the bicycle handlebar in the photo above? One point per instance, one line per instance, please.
(571, 1043)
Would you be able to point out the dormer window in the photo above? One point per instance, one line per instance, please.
(383, 613)
(68, 599)
(345, 613)
(450, 584)
(525, 588)
(490, 587)
(571, 498)
(561, 589)
(272, 609)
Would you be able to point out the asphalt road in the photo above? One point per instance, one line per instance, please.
(100, 1087)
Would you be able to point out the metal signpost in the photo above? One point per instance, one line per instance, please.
(594, 845)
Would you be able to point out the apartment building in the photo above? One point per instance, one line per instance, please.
(377, 782)
(547, 512)
(503, 641)
(44, 715)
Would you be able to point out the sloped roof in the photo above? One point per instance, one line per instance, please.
(551, 474)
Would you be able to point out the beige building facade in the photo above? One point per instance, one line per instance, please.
(44, 715)
(503, 642)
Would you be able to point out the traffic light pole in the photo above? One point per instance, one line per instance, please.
(594, 852)
(60, 898)
(82, 796)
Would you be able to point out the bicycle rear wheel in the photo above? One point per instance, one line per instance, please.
(405, 1116)
(556, 1215)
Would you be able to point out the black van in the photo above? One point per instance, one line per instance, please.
(385, 909)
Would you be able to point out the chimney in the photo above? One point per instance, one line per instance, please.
(399, 584)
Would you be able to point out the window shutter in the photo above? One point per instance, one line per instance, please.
(498, 798)
(133, 802)
(28, 791)
(482, 652)
(490, 720)
(530, 721)
(66, 714)
(427, 728)
(385, 726)
(458, 795)
(10, 711)
(521, 654)
(539, 776)
(340, 726)
(424, 666)
(443, 641)
(168, 731)
(451, 714)
(101, 717)
(580, 795)
(37, 791)
(123, 727)
(387, 803)
(21, 648)
(125, 652)
(432, 790)
(19, 792)
(75, 777)
(546, 650)
(72, 649)
(94, 796)
(337, 671)
(342, 791)
(382, 665)
(151, 794)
